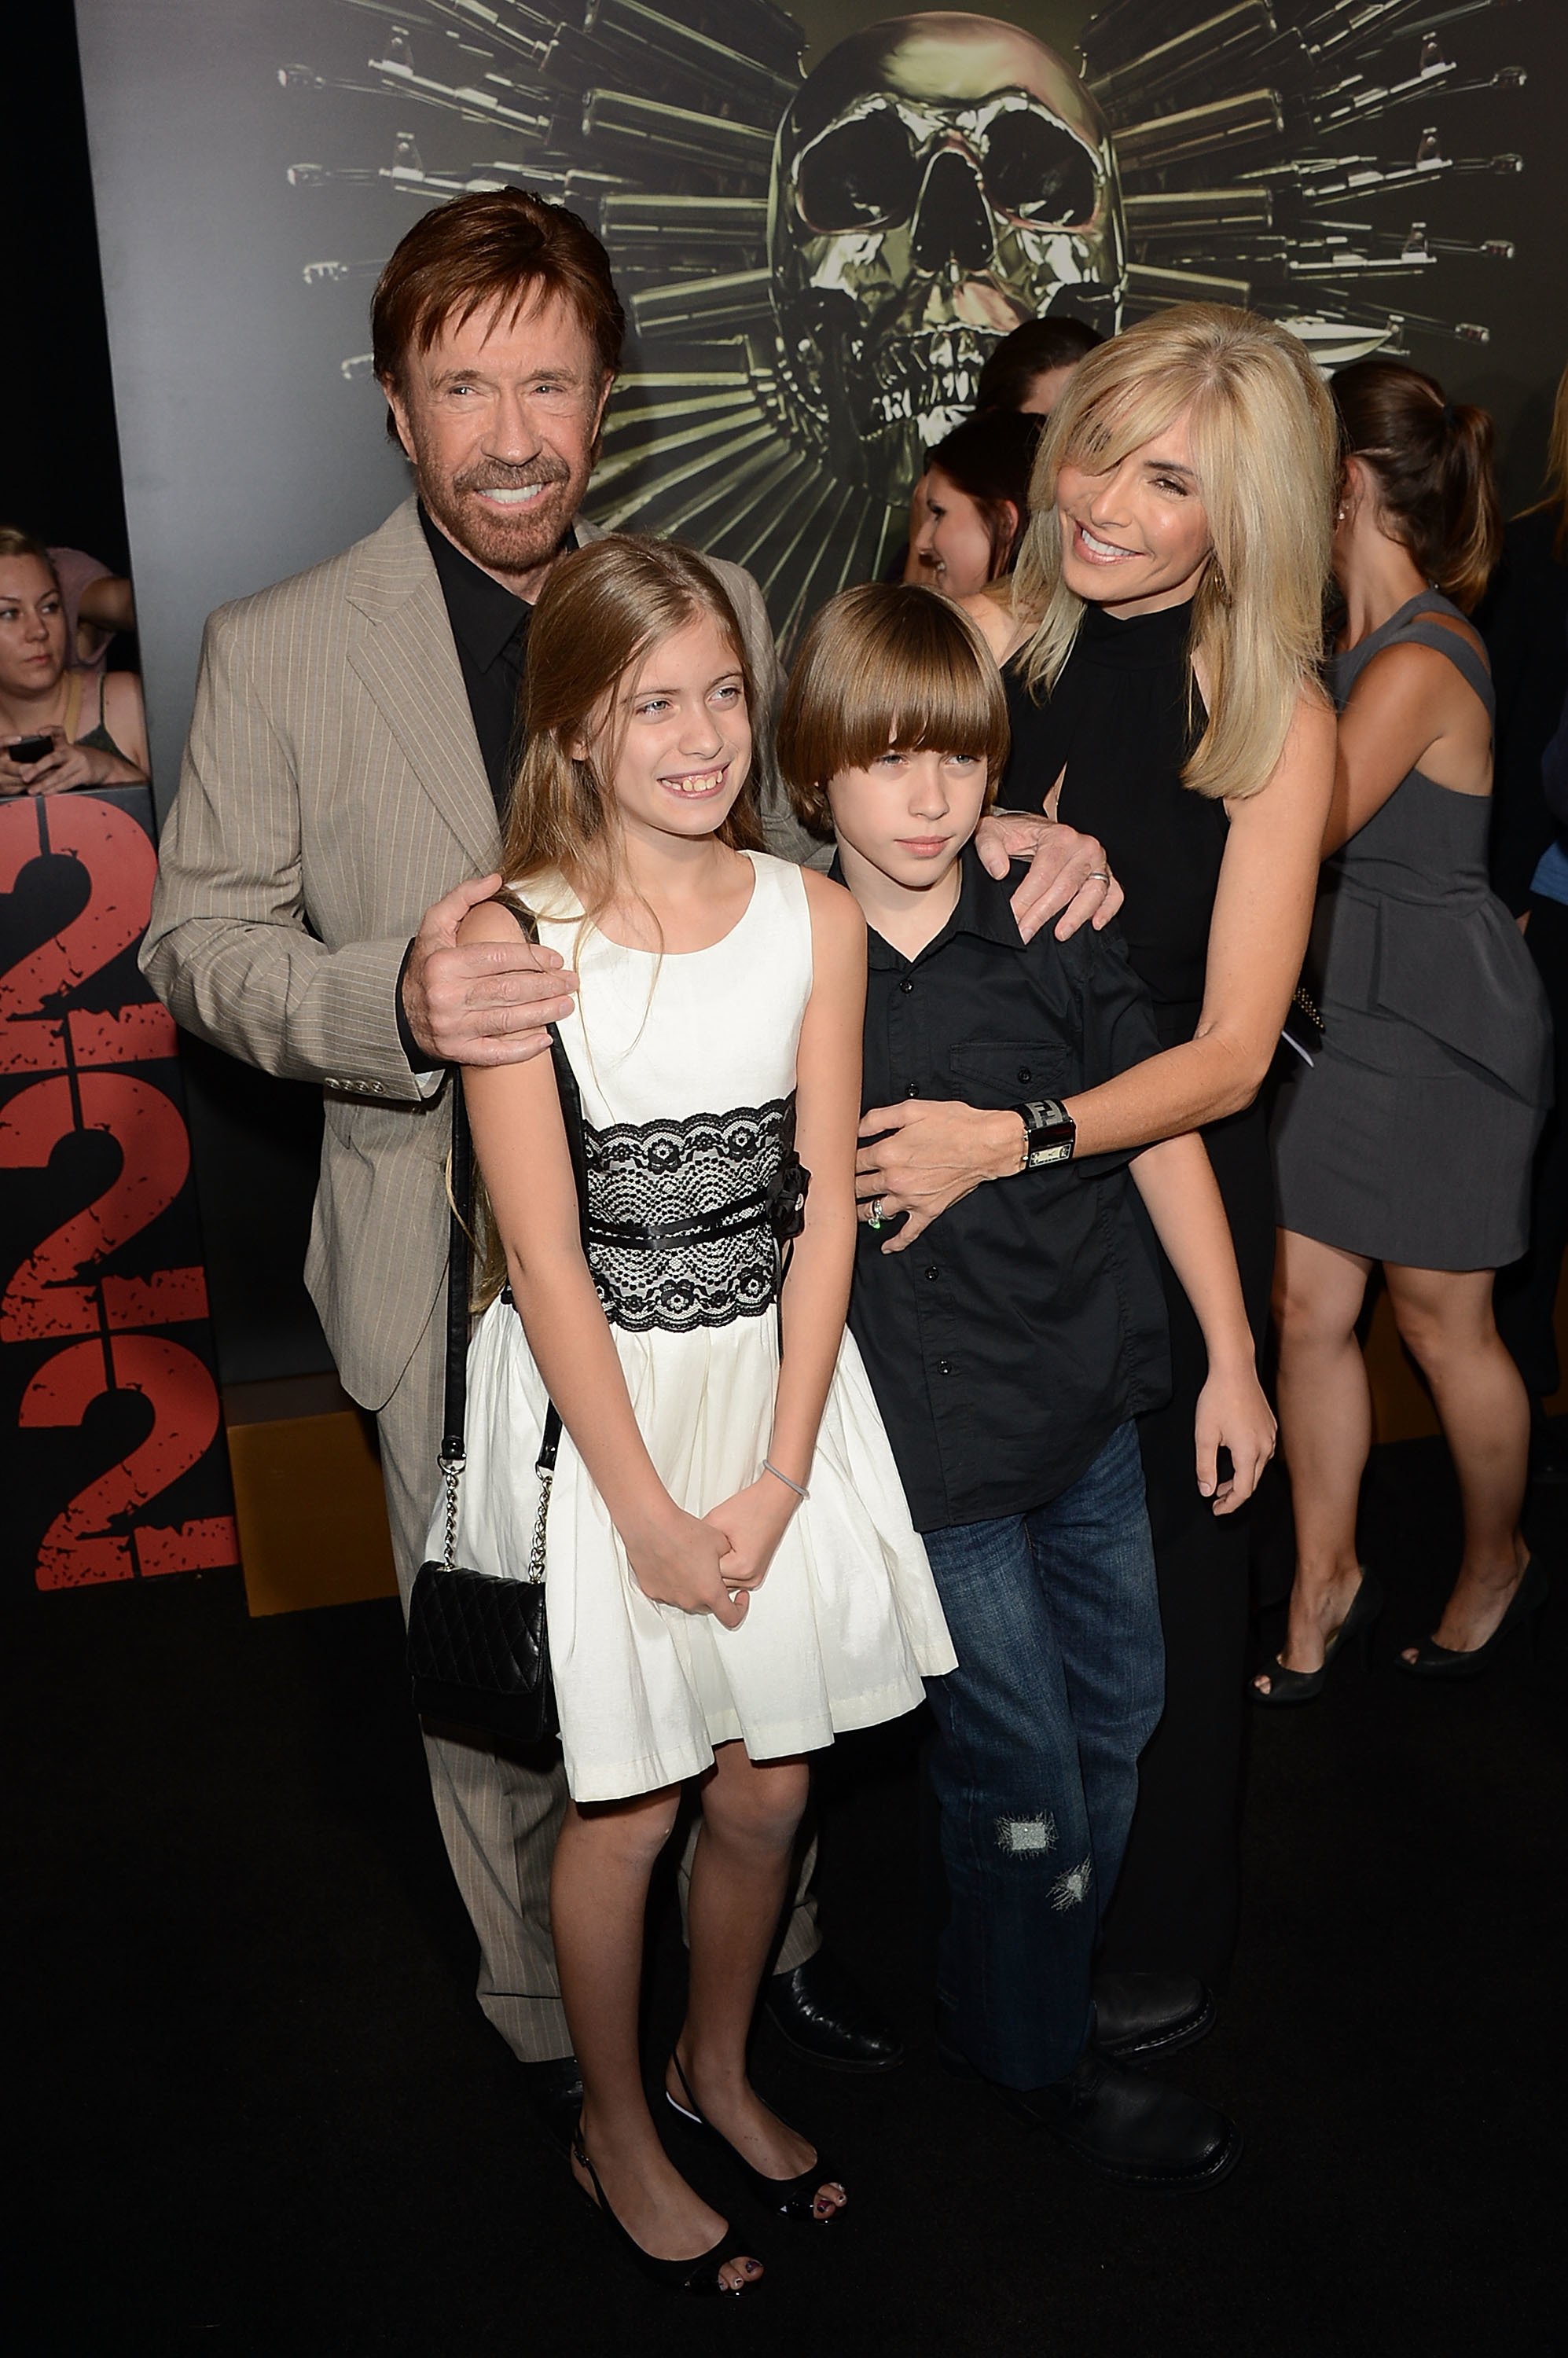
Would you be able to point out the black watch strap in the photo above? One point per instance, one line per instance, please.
(1050, 1133)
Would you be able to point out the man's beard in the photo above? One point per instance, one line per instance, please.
(502, 542)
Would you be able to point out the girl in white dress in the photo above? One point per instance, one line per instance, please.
(731, 1575)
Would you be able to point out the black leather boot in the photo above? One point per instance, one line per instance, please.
(1140, 2131)
(1138, 2015)
(822, 2013)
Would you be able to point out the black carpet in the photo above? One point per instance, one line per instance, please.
(256, 2108)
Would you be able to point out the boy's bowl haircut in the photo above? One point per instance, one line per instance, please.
(887, 664)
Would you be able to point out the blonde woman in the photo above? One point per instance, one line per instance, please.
(59, 726)
(1158, 643)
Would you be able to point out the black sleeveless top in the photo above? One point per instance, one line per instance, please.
(1122, 721)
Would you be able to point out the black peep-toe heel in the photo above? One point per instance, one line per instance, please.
(1288, 1686)
(792, 2198)
(698, 2276)
(1435, 1661)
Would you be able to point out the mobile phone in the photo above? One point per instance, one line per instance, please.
(30, 749)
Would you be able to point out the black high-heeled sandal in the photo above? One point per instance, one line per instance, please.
(792, 2198)
(698, 2276)
(1288, 1686)
(1435, 1661)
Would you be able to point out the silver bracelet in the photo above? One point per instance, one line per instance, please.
(799, 1489)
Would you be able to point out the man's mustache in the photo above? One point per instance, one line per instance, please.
(492, 477)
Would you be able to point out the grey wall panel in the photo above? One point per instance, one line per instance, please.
(246, 454)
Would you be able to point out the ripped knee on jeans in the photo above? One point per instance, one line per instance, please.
(1027, 1837)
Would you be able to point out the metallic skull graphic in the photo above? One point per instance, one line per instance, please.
(936, 179)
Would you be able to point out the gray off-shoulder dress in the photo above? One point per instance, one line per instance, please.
(1410, 1138)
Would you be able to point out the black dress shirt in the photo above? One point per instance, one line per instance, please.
(1006, 1344)
(491, 629)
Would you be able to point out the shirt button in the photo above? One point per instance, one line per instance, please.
(944, 1366)
(911, 1088)
(908, 983)
(1025, 1073)
(933, 1272)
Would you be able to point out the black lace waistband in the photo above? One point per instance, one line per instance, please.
(689, 1221)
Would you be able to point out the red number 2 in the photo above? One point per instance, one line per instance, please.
(44, 1296)
(109, 843)
(78, 1547)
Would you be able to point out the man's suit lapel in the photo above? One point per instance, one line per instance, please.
(401, 647)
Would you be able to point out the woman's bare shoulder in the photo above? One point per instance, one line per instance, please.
(122, 695)
(1410, 677)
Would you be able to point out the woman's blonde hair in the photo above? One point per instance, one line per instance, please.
(15, 541)
(602, 611)
(1266, 449)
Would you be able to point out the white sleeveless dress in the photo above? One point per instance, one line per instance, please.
(686, 1063)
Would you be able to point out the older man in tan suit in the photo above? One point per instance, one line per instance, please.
(337, 814)
(352, 742)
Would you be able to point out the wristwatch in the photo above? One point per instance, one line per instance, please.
(1050, 1133)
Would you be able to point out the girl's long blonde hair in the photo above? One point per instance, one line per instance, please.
(1266, 448)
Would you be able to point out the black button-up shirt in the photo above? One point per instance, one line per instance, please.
(1006, 1344)
(491, 629)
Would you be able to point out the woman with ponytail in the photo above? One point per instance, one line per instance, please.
(1409, 1140)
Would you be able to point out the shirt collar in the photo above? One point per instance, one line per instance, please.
(485, 617)
(984, 909)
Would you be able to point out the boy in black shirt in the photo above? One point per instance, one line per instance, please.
(1010, 1343)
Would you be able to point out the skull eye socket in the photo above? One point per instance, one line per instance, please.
(861, 175)
(1040, 172)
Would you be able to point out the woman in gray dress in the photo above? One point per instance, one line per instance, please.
(1408, 1139)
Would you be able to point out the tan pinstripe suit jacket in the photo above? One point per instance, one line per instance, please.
(332, 790)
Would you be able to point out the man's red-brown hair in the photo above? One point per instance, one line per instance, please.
(500, 247)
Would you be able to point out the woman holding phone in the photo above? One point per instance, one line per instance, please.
(59, 726)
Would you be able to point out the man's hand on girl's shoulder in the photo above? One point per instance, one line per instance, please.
(476, 991)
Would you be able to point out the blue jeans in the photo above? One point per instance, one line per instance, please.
(1055, 1623)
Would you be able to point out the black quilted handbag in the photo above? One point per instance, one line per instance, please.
(479, 1648)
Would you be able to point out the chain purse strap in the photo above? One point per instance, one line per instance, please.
(454, 1414)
